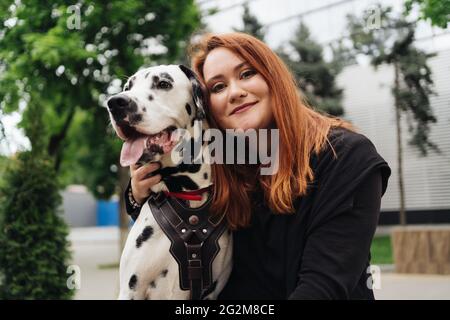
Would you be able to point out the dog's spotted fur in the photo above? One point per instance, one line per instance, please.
(163, 96)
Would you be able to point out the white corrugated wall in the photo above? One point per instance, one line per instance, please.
(369, 105)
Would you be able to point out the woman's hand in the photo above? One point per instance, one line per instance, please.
(141, 182)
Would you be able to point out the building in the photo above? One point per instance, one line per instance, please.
(369, 105)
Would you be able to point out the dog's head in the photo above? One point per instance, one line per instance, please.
(154, 103)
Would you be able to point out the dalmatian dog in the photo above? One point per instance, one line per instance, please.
(154, 103)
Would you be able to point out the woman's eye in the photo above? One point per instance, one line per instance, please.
(248, 73)
(217, 87)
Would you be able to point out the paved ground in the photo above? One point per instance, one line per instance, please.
(413, 287)
(95, 247)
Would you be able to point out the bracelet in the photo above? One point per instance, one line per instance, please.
(133, 202)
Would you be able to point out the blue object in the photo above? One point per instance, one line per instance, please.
(107, 213)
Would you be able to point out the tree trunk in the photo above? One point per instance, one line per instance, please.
(402, 213)
(56, 140)
(124, 219)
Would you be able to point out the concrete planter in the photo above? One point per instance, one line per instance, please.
(423, 249)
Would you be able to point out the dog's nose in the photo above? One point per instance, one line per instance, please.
(118, 102)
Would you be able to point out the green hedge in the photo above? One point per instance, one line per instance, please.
(33, 244)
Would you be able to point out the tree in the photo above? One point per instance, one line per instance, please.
(69, 58)
(251, 24)
(4, 161)
(73, 67)
(437, 11)
(392, 43)
(343, 56)
(315, 76)
(33, 246)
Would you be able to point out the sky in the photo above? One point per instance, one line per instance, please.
(280, 17)
(326, 25)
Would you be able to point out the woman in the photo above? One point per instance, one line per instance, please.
(305, 231)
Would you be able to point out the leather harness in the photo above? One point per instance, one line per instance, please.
(194, 235)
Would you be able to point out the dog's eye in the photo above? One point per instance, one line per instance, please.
(128, 85)
(164, 85)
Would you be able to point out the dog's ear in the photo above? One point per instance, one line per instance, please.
(197, 92)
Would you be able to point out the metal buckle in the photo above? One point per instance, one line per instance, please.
(158, 198)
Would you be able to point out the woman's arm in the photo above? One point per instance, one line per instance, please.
(132, 207)
(139, 187)
(336, 253)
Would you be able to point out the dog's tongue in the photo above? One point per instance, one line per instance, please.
(132, 150)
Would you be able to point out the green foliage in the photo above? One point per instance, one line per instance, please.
(92, 153)
(47, 59)
(313, 74)
(437, 11)
(4, 161)
(343, 56)
(392, 43)
(33, 245)
(251, 24)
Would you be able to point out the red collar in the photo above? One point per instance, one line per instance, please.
(188, 195)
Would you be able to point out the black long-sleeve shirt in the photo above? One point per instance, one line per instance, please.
(322, 251)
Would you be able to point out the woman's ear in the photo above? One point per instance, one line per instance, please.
(197, 92)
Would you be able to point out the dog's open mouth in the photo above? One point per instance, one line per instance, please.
(137, 143)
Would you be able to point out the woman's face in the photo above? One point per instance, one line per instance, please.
(232, 84)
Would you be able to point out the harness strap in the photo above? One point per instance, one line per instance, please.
(195, 270)
(194, 236)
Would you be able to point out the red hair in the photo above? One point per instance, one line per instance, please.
(302, 131)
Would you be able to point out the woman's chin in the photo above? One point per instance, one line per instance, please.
(244, 122)
(251, 124)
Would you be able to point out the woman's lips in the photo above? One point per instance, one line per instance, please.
(243, 109)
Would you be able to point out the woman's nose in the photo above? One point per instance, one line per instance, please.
(236, 92)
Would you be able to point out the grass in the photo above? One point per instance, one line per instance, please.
(381, 250)
(108, 266)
